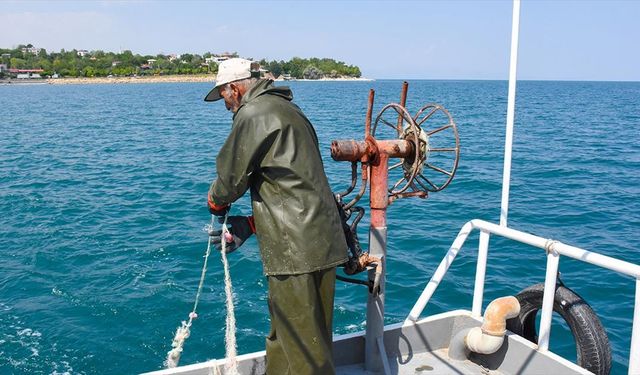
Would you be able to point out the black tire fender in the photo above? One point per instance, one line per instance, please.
(592, 343)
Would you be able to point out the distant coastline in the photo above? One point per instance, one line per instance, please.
(30, 62)
(186, 78)
(153, 79)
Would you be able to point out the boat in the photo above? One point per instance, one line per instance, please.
(464, 341)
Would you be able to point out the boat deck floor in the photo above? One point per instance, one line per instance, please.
(435, 362)
(416, 349)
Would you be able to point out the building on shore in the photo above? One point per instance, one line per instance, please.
(264, 73)
(220, 58)
(31, 50)
(284, 77)
(25, 73)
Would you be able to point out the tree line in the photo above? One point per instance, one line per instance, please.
(313, 68)
(79, 63)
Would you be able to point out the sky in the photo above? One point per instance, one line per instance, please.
(559, 40)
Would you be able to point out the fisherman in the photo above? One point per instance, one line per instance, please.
(272, 150)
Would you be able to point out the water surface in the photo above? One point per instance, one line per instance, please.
(102, 194)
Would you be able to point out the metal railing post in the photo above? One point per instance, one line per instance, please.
(554, 249)
(433, 283)
(481, 269)
(634, 357)
(553, 258)
(511, 105)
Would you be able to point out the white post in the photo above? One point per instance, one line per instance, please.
(553, 258)
(634, 356)
(428, 291)
(511, 104)
(481, 268)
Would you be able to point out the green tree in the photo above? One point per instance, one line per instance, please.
(17, 63)
(312, 72)
(89, 71)
(101, 63)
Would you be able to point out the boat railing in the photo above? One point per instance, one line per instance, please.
(554, 249)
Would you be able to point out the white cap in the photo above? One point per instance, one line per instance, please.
(229, 71)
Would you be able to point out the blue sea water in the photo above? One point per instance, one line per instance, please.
(102, 201)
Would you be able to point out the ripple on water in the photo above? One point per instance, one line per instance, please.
(102, 188)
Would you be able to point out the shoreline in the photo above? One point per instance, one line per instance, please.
(209, 78)
(139, 79)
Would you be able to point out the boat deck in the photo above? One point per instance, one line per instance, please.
(435, 362)
(417, 349)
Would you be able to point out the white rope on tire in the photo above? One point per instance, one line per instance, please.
(183, 332)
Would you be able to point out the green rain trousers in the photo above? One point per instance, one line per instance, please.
(301, 308)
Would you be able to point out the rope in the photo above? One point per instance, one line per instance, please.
(231, 366)
(183, 332)
(549, 246)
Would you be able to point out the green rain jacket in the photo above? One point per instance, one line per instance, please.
(273, 151)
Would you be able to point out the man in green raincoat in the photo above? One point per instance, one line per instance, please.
(272, 151)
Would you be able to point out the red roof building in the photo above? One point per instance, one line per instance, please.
(17, 71)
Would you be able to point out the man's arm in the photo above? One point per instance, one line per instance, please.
(237, 159)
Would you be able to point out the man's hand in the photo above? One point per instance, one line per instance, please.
(240, 227)
(215, 209)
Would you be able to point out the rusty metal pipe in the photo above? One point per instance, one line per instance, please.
(397, 148)
(419, 194)
(490, 337)
(352, 150)
(497, 313)
(367, 121)
(403, 102)
(379, 201)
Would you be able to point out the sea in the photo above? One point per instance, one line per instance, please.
(103, 203)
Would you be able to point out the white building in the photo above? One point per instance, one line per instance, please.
(31, 50)
(219, 58)
(82, 52)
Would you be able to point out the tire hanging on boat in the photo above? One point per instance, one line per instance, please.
(592, 344)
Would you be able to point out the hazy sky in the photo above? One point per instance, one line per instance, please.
(569, 40)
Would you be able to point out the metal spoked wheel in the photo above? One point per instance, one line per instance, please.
(397, 121)
(442, 151)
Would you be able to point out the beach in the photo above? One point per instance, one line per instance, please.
(155, 79)
(137, 79)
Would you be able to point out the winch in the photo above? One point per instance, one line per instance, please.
(401, 156)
